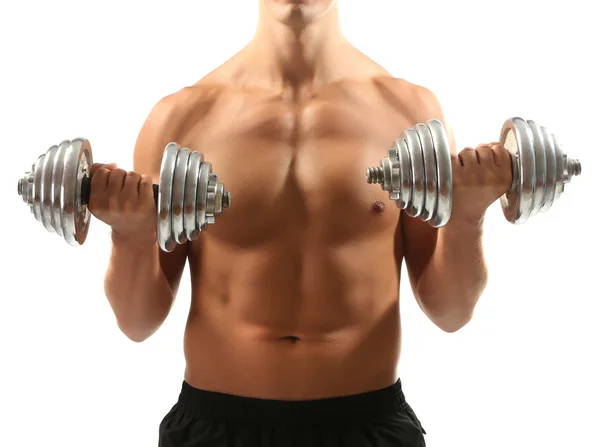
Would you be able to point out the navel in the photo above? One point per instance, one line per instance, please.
(290, 339)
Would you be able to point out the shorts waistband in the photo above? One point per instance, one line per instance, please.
(213, 405)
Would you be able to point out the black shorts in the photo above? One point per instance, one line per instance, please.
(379, 418)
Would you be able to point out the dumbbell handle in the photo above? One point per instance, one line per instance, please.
(86, 189)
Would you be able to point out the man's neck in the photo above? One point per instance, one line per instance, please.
(298, 59)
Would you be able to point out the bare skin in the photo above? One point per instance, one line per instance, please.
(295, 289)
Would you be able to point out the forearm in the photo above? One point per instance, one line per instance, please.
(455, 277)
(137, 288)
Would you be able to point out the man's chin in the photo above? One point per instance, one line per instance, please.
(296, 16)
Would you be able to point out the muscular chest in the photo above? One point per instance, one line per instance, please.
(300, 169)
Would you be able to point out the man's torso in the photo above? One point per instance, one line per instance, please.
(295, 289)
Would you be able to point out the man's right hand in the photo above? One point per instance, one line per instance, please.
(124, 201)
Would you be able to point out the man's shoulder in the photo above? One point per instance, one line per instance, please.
(171, 119)
(416, 101)
(174, 114)
(198, 98)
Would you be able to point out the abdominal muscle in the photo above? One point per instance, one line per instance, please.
(293, 322)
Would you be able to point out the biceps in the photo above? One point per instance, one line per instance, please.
(172, 265)
(419, 240)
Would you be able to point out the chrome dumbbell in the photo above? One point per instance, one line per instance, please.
(417, 172)
(188, 196)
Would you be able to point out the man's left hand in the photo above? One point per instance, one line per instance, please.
(480, 177)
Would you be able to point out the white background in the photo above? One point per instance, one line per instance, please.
(524, 372)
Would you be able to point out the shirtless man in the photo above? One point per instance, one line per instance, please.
(293, 336)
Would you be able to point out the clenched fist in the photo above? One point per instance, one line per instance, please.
(124, 201)
(480, 176)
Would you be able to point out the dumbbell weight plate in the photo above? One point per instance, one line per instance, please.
(75, 216)
(405, 190)
(550, 170)
(202, 196)
(541, 169)
(431, 180)
(214, 199)
(178, 195)
(417, 168)
(561, 168)
(391, 174)
(444, 173)
(167, 171)
(36, 199)
(191, 195)
(517, 138)
(46, 189)
(57, 177)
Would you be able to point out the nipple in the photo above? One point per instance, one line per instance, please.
(378, 206)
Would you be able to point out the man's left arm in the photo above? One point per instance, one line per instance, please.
(446, 266)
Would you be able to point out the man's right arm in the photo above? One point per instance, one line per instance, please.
(141, 281)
